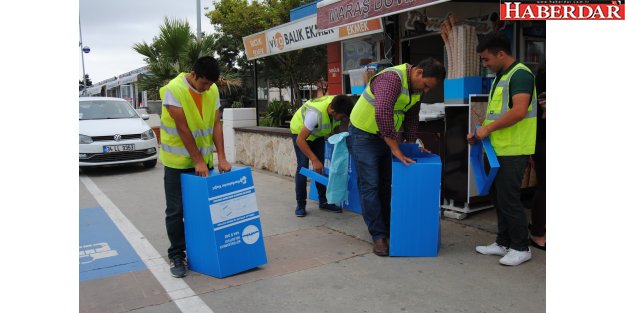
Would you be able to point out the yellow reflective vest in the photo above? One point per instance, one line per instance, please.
(363, 114)
(172, 151)
(520, 138)
(325, 124)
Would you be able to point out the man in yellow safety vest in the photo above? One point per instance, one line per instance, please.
(313, 121)
(510, 123)
(386, 114)
(190, 128)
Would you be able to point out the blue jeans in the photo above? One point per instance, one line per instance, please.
(373, 160)
(318, 148)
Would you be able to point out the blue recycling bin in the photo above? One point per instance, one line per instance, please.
(222, 224)
(415, 204)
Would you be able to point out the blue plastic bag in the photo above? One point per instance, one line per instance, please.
(338, 175)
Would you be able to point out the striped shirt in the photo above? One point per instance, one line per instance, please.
(386, 88)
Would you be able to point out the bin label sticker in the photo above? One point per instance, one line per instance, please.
(231, 239)
(233, 207)
(251, 234)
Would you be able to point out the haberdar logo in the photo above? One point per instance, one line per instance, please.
(250, 234)
(563, 10)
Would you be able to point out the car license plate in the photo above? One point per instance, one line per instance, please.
(119, 148)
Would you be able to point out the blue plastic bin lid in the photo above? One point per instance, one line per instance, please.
(483, 180)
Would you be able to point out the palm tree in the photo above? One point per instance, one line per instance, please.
(174, 51)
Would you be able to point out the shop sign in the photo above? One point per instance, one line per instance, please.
(562, 10)
(334, 73)
(359, 27)
(337, 13)
(303, 33)
(255, 45)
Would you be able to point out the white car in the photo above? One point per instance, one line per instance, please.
(113, 133)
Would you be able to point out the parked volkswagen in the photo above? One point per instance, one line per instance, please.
(113, 133)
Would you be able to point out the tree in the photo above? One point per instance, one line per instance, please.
(175, 50)
(82, 85)
(240, 18)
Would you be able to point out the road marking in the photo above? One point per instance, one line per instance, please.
(103, 250)
(177, 289)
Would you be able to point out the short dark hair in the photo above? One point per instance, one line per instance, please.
(432, 68)
(342, 104)
(494, 42)
(207, 67)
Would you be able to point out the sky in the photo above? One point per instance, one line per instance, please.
(110, 28)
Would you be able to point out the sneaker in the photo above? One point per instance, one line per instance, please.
(515, 257)
(492, 249)
(178, 267)
(330, 208)
(300, 211)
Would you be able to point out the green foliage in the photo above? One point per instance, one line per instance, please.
(175, 50)
(82, 85)
(277, 111)
(236, 104)
(264, 121)
(236, 19)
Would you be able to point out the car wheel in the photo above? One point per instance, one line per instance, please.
(149, 164)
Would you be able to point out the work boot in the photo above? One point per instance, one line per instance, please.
(330, 207)
(380, 247)
(178, 266)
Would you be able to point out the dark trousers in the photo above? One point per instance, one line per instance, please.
(318, 148)
(506, 196)
(373, 160)
(173, 213)
(540, 195)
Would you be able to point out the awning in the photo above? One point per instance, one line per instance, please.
(303, 33)
(94, 90)
(334, 13)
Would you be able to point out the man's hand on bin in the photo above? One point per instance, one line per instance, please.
(201, 169)
(403, 158)
(224, 166)
(318, 167)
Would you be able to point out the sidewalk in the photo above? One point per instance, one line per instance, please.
(323, 263)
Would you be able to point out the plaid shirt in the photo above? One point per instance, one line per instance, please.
(386, 88)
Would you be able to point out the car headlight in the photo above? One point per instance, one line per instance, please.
(84, 139)
(147, 135)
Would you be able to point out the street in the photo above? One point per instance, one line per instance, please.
(320, 263)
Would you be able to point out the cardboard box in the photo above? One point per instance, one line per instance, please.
(222, 224)
(457, 90)
(415, 204)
